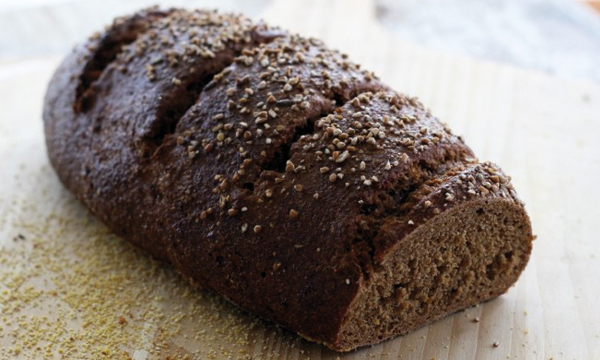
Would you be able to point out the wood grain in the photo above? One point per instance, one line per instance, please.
(543, 131)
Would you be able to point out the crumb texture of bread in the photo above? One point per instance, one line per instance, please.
(279, 174)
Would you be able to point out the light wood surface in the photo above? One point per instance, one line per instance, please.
(70, 286)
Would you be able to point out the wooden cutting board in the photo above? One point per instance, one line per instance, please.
(71, 290)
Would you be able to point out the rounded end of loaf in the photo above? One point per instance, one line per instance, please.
(470, 253)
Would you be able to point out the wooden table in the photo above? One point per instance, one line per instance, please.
(69, 289)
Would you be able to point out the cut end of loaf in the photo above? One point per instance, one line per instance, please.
(468, 254)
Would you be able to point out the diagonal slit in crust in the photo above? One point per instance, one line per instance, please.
(278, 162)
(169, 115)
(122, 33)
(394, 202)
(181, 100)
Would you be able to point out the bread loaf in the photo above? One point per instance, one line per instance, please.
(277, 173)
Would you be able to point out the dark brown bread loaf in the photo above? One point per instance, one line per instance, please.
(277, 173)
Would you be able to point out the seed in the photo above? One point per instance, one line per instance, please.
(293, 214)
(257, 229)
(298, 187)
(289, 167)
(324, 169)
(332, 177)
(220, 136)
(362, 166)
(342, 157)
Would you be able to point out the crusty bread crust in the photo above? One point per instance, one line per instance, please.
(279, 174)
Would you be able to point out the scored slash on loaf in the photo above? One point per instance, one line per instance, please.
(276, 172)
